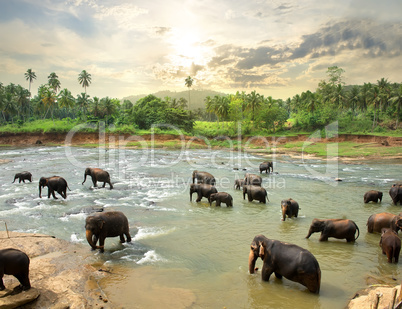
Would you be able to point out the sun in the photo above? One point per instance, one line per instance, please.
(187, 48)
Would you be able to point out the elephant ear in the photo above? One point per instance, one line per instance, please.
(262, 251)
(100, 224)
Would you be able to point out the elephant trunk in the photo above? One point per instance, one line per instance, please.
(40, 191)
(85, 178)
(309, 233)
(15, 179)
(191, 196)
(283, 214)
(251, 261)
(90, 241)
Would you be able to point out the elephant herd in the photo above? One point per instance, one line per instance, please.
(283, 259)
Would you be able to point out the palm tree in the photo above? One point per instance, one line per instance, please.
(66, 99)
(54, 82)
(83, 102)
(188, 82)
(30, 76)
(21, 98)
(253, 103)
(396, 99)
(84, 78)
(109, 107)
(49, 100)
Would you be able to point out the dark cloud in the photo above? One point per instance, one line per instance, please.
(162, 30)
(195, 68)
(366, 38)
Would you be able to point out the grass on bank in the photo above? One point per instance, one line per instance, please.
(343, 149)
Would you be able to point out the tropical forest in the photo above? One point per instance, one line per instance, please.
(371, 108)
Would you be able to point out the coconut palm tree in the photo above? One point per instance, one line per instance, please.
(66, 99)
(54, 82)
(30, 76)
(84, 78)
(396, 100)
(49, 100)
(83, 102)
(188, 82)
(253, 103)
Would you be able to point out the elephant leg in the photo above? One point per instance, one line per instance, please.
(266, 272)
(122, 240)
(323, 237)
(199, 197)
(63, 193)
(102, 244)
(218, 202)
(2, 287)
(53, 194)
(104, 184)
(128, 236)
(279, 276)
(110, 184)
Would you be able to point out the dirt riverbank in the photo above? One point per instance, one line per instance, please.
(64, 274)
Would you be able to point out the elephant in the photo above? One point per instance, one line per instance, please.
(23, 176)
(14, 262)
(98, 174)
(396, 193)
(106, 224)
(287, 260)
(255, 193)
(221, 197)
(372, 196)
(252, 179)
(390, 244)
(337, 228)
(54, 183)
(203, 190)
(384, 220)
(204, 177)
(239, 183)
(290, 208)
(267, 166)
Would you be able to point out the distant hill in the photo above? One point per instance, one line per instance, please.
(197, 97)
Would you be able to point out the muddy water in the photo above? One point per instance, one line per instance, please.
(188, 254)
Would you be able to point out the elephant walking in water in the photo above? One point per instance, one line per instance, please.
(54, 183)
(390, 244)
(267, 166)
(337, 228)
(98, 174)
(289, 208)
(202, 190)
(372, 196)
(287, 260)
(106, 224)
(23, 176)
(204, 177)
(396, 193)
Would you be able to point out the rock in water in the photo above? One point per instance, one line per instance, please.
(10, 299)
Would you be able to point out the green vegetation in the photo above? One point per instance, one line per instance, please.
(365, 109)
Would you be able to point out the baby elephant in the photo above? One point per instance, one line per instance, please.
(290, 208)
(23, 176)
(390, 244)
(221, 197)
(337, 228)
(372, 196)
(14, 262)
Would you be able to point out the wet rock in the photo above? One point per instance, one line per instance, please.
(85, 210)
(15, 298)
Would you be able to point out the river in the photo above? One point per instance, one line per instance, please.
(188, 254)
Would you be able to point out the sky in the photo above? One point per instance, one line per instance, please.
(277, 48)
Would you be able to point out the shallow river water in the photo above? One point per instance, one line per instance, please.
(188, 254)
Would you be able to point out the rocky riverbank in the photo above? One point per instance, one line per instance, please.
(62, 273)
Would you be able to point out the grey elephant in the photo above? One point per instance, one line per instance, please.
(287, 260)
(396, 193)
(372, 196)
(202, 190)
(203, 177)
(239, 183)
(390, 244)
(221, 197)
(376, 222)
(289, 208)
(23, 176)
(106, 224)
(98, 174)
(267, 166)
(252, 179)
(14, 262)
(255, 193)
(337, 228)
(54, 183)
